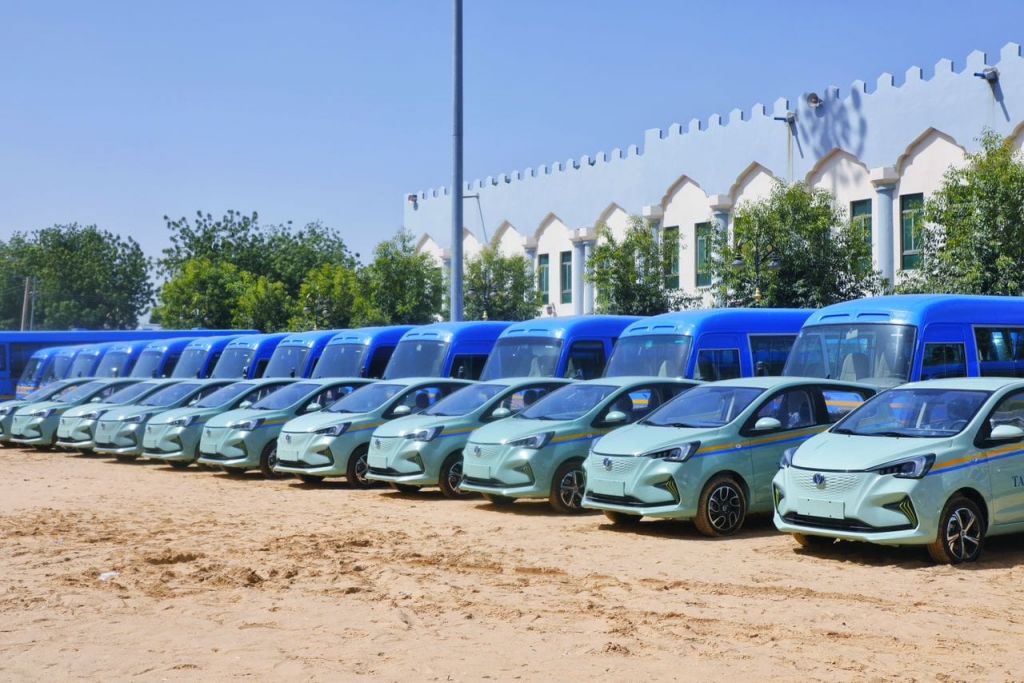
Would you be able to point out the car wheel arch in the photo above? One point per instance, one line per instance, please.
(976, 497)
(739, 478)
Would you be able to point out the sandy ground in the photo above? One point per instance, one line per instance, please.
(222, 577)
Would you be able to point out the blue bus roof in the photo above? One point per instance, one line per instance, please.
(573, 324)
(43, 354)
(212, 343)
(752, 320)
(483, 329)
(308, 338)
(129, 346)
(366, 335)
(94, 349)
(915, 309)
(253, 341)
(173, 344)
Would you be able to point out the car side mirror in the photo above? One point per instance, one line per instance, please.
(500, 413)
(245, 404)
(95, 399)
(615, 417)
(767, 424)
(1006, 433)
(313, 407)
(401, 411)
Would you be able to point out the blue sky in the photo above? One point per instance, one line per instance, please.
(119, 112)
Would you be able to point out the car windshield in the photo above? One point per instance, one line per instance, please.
(367, 398)
(28, 375)
(286, 396)
(224, 395)
(654, 355)
(170, 395)
(465, 400)
(523, 357)
(191, 363)
(83, 364)
(47, 392)
(288, 361)
(131, 392)
(881, 355)
(706, 406)
(77, 393)
(568, 403)
(341, 360)
(417, 358)
(234, 363)
(148, 364)
(918, 413)
(113, 364)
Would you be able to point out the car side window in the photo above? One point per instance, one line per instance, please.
(1009, 411)
(840, 402)
(204, 392)
(635, 404)
(793, 409)
(525, 397)
(423, 397)
(107, 391)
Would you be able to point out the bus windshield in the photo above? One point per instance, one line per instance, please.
(287, 361)
(234, 363)
(417, 358)
(655, 355)
(341, 360)
(113, 364)
(879, 354)
(191, 363)
(148, 364)
(58, 369)
(83, 365)
(28, 375)
(523, 357)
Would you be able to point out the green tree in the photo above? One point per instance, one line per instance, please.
(263, 304)
(793, 248)
(84, 277)
(402, 286)
(499, 287)
(205, 293)
(629, 276)
(329, 298)
(974, 239)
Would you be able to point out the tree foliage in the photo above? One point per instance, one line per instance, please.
(263, 304)
(330, 298)
(630, 275)
(794, 248)
(973, 239)
(402, 287)
(204, 293)
(84, 277)
(499, 287)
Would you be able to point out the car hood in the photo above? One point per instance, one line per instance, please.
(829, 451)
(512, 429)
(414, 423)
(27, 408)
(175, 413)
(13, 403)
(124, 412)
(241, 414)
(322, 419)
(636, 439)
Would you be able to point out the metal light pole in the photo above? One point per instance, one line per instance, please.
(456, 190)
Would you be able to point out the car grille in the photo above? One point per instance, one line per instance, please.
(483, 451)
(616, 500)
(847, 524)
(620, 464)
(835, 482)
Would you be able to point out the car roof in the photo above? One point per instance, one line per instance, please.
(629, 380)
(424, 380)
(517, 381)
(966, 383)
(775, 381)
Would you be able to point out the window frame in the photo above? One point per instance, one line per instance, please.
(696, 362)
(863, 219)
(544, 277)
(910, 258)
(925, 356)
(565, 277)
(702, 234)
(670, 240)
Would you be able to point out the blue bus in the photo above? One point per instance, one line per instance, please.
(201, 356)
(246, 357)
(889, 340)
(709, 345)
(444, 350)
(159, 358)
(576, 347)
(87, 360)
(297, 354)
(359, 353)
(46, 365)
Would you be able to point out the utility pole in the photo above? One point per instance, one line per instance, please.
(456, 191)
(24, 303)
(32, 306)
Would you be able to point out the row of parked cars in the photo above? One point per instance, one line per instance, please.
(853, 452)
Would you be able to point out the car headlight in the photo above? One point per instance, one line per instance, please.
(4, 411)
(183, 421)
(334, 430)
(135, 419)
(676, 454)
(247, 425)
(44, 413)
(536, 442)
(94, 415)
(427, 434)
(910, 468)
(787, 457)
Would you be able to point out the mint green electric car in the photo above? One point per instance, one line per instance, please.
(77, 426)
(119, 431)
(43, 393)
(246, 438)
(539, 453)
(335, 442)
(709, 455)
(37, 424)
(173, 436)
(937, 463)
(426, 449)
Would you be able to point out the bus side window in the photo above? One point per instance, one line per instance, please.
(1000, 351)
(3, 357)
(943, 360)
(768, 353)
(468, 366)
(586, 360)
(379, 361)
(261, 367)
(716, 364)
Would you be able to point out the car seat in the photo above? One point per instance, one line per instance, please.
(855, 367)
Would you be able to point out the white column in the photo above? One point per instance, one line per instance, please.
(883, 228)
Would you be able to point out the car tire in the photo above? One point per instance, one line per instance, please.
(404, 488)
(179, 464)
(310, 478)
(451, 476)
(500, 501)
(355, 471)
(567, 487)
(722, 507)
(622, 518)
(961, 532)
(812, 541)
(268, 460)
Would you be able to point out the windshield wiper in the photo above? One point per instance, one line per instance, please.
(842, 430)
(891, 433)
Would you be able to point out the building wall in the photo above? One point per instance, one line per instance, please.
(856, 144)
